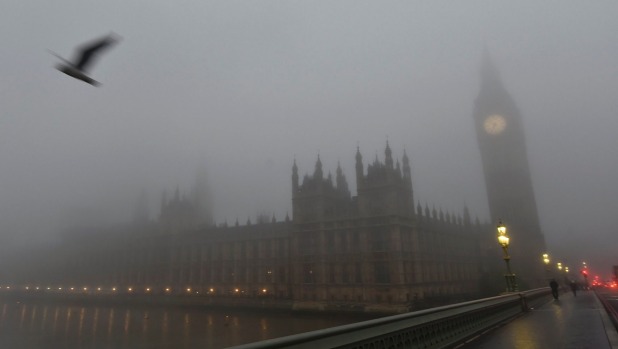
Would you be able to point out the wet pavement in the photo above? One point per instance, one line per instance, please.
(570, 322)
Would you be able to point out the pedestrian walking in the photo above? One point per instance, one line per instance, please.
(574, 288)
(554, 288)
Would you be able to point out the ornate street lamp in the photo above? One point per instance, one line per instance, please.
(546, 261)
(503, 240)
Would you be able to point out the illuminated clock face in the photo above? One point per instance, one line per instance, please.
(494, 124)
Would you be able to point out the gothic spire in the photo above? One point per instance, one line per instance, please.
(466, 217)
(359, 168)
(406, 166)
(318, 169)
(388, 157)
(489, 73)
(342, 183)
(294, 178)
(492, 89)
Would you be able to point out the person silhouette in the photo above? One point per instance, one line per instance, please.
(554, 288)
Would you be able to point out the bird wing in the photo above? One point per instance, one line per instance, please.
(88, 51)
(61, 58)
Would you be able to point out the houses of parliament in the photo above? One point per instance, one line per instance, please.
(373, 251)
(377, 250)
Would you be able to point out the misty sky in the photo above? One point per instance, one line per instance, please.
(244, 87)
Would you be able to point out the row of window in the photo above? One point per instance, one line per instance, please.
(351, 273)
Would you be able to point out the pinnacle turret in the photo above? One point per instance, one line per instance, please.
(359, 168)
(318, 169)
(294, 178)
(388, 157)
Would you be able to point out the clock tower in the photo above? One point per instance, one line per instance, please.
(500, 135)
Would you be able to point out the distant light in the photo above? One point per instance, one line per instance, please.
(212, 290)
(147, 289)
(167, 289)
(59, 288)
(236, 290)
(98, 289)
(188, 290)
(49, 288)
(85, 288)
(8, 287)
(114, 289)
(72, 288)
(264, 290)
(37, 287)
(27, 288)
(130, 289)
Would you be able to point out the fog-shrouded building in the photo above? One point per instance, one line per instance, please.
(500, 135)
(375, 251)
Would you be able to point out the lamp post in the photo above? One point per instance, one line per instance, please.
(585, 274)
(503, 240)
(546, 261)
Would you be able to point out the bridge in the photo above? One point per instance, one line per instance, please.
(531, 319)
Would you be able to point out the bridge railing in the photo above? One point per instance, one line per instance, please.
(430, 328)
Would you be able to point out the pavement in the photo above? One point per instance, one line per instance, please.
(569, 322)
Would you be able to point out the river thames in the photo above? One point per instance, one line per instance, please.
(42, 324)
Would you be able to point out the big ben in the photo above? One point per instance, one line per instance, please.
(500, 135)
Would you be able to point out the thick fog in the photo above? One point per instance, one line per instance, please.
(243, 88)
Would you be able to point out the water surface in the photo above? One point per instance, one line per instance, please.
(41, 324)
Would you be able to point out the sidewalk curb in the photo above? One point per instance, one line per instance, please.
(610, 330)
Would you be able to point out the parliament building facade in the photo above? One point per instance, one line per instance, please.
(375, 251)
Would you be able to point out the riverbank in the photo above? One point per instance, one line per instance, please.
(204, 302)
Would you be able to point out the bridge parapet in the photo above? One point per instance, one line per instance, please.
(430, 328)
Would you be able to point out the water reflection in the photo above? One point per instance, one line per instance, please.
(95, 321)
(110, 322)
(55, 322)
(21, 318)
(3, 317)
(35, 324)
(67, 323)
(44, 319)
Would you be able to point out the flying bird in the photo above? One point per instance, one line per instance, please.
(85, 57)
